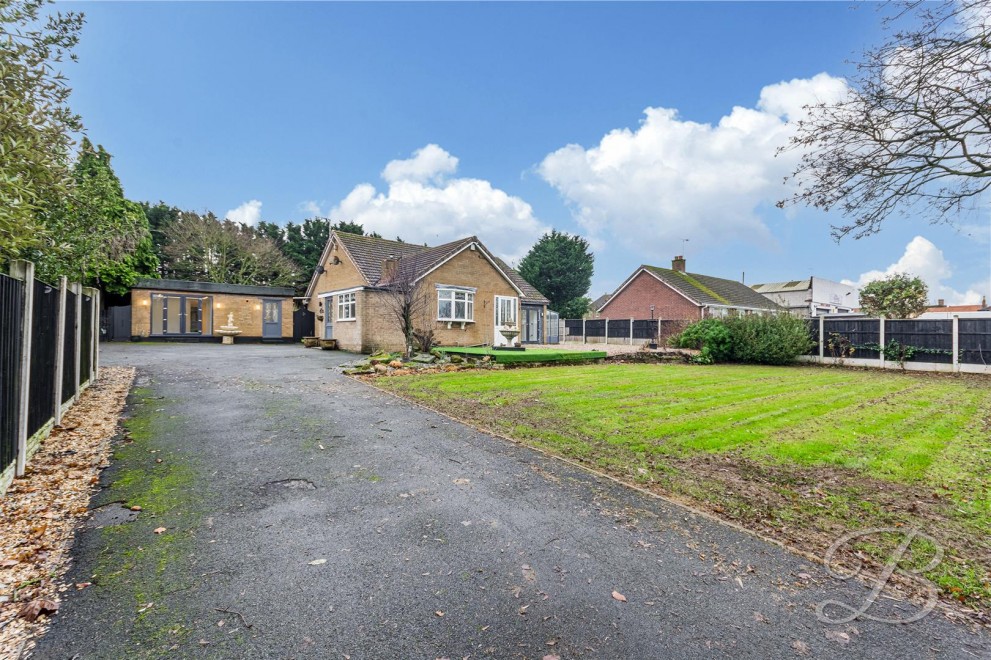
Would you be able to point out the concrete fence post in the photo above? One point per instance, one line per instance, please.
(822, 337)
(584, 336)
(78, 330)
(956, 343)
(606, 338)
(63, 285)
(880, 334)
(631, 332)
(97, 301)
(24, 271)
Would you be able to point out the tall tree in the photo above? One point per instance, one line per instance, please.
(159, 217)
(203, 248)
(406, 301)
(560, 266)
(914, 131)
(35, 121)
(897, 296)
(98, 236)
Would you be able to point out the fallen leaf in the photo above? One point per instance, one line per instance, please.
(159, 530)
(800, 647)
(462, 482)
(439, 613)
(551, 656)
(7, 563)
(135, 508)
(35, 608)
(83, 585)
(618, 596)
(317, 562)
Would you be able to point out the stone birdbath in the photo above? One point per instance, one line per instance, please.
(229, 331)
(510, 333)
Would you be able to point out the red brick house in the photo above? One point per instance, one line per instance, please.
(672, 294)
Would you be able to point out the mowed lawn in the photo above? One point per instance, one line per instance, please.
(801, 453)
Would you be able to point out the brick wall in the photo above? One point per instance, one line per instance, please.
(645, 290)
(343, 275)
(247, 312)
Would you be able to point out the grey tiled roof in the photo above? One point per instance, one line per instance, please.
(600, 301)
(369, 253)
(779, 287)
(707, 290)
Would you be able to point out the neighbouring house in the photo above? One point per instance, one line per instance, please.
(812, 296)
(943, 311)
(675, 294)
(467, 295)
(597, 304)
(181, 310)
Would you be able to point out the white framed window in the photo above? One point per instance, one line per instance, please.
(455, 305)
(346, 307)
(505, 311)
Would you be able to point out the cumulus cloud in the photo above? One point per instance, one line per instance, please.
(423, 205)
(310, 208)
(924, 260)
(672, 178)
(431, 163)
(249, 213)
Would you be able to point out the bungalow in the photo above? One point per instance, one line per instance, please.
(674, 294)
(465, 294)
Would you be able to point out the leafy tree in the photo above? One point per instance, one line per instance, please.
(897, 296)
(272, 231)
(98, 236)
(203, 248)
(159, 217)
(914, 128)
(560, 267)
(35, 122)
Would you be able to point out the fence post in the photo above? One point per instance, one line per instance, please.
(606, 338)
(880, 335)
(956, 342)
(97, 301)
(584, 336)
(94, 325)
(631, 331)
(63, 284)
(78, 329)
(24, 271)
(822, 338)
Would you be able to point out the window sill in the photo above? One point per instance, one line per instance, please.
(346, 320)
(451, 322)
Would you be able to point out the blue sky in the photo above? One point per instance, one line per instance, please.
(433, 121)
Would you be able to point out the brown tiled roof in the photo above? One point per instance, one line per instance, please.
(956, 308)
(708, 290)
(369, 253)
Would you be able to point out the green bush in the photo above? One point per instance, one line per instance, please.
(711, 337)
(776, 339)
(756, 339)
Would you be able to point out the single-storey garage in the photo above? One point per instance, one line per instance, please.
(177, 309)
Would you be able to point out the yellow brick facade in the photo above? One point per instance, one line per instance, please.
(247, 312)
(376, 327)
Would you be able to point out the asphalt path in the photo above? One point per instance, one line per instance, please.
(315, 517)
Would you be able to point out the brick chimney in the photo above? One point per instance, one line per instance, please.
(941, 303)
(389, 265)
(678, 264)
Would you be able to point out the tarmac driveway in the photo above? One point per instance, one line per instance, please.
(301, 514)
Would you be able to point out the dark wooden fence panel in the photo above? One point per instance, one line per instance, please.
(303, 324)
(41, 401)
(115, 323)
(975, 341)
(813, 325)
(860, 332)
(934, 338)
(595, 328)
(85, 358)
(11, 305)
(619, 329)
(69, 382)
(645, 329)
(573, 327)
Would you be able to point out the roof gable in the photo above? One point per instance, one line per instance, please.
(711, 291)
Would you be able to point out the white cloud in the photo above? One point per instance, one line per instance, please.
(248, 213)
(310, 208)
(429, 164)
(924, 260)
(423, 206)
(672, 178)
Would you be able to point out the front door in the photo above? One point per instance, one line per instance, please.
(271, 319)
(328, 320)
(506, 319)
(532, 325)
